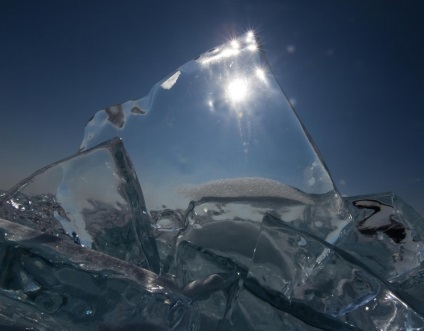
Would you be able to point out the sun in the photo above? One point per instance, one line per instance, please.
(237, 89)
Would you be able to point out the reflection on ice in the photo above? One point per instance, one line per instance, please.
(238, 227)
(167, 85)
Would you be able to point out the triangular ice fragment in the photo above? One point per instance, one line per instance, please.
(92, 198)
(218, 126)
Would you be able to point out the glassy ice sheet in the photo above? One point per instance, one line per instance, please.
(235, 223)
(218, 117)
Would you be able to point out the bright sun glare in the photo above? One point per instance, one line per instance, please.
(237, 89)
(260, 74)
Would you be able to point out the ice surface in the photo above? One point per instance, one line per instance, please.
(387, 234)
(250, 312)
(92, 198)
(79, 288)
(235, 224)
(196, 263)
(293, 269)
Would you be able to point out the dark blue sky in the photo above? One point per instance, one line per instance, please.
(354, 70)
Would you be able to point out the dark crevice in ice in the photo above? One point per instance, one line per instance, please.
(380, 220)
(137, 110)
(115, 115)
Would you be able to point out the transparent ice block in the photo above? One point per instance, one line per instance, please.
(92, 198)
(218, 126)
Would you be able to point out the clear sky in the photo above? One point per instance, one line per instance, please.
(354, 71)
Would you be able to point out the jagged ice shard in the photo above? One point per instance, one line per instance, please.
(92, 198)
(218, 214)
(220, 116)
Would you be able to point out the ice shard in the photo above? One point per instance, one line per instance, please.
(195, 263)
(299, 273)
(221, 116)
(92, 198)
(387, 235)
(79, 288)
(251, 313)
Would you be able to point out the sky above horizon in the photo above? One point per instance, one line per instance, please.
(353, 71)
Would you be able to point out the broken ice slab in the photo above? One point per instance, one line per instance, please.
(251, 198)
(215, 295)
(250, 313)
(220, 116)
(195, 262)
(92, 198)
(81, 288)
(294, 270)
(236, 217)
(167, 225)
(234, 307)
(387, 234)
(18, 316)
